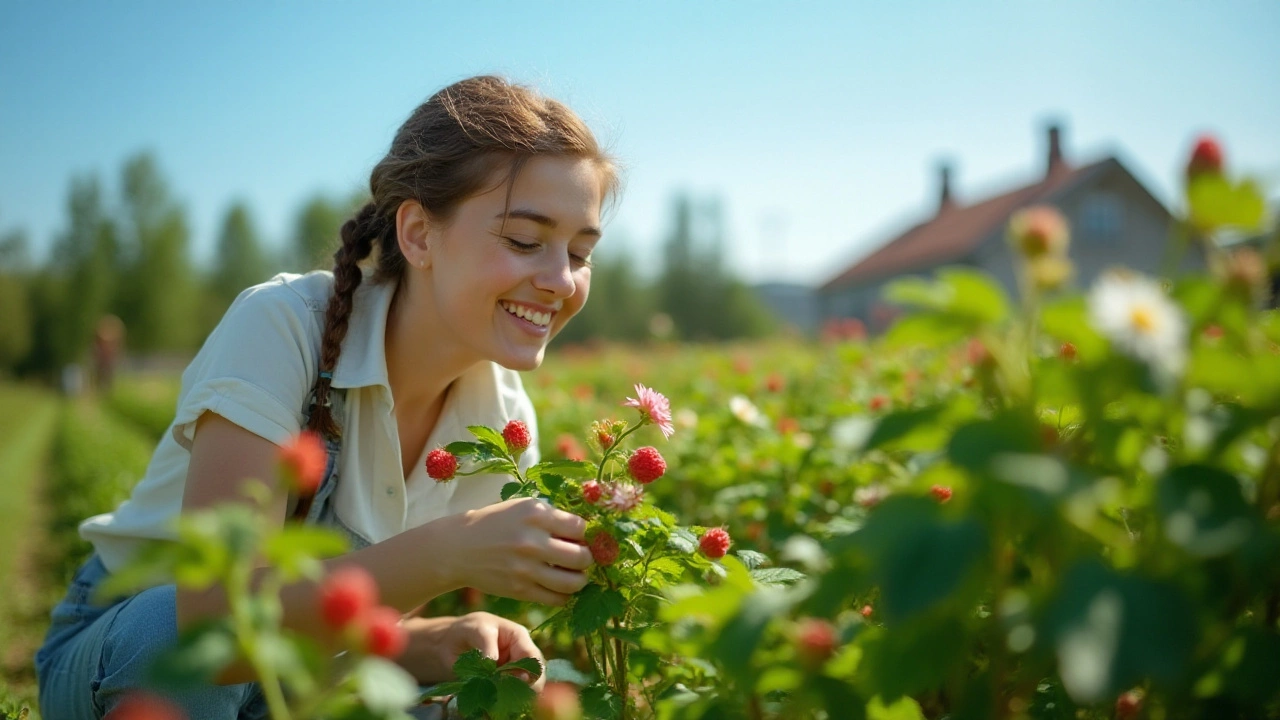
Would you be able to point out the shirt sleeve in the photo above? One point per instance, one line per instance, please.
(257, 366)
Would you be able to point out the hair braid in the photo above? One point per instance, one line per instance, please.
(358, 236)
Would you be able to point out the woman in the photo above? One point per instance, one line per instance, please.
(483, 217)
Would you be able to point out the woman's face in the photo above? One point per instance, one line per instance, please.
(505, 278)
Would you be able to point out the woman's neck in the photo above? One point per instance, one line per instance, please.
(420, 367)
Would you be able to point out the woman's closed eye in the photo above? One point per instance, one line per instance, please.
(531, 247)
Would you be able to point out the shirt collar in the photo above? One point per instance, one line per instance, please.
(363, 360)
(477, 397)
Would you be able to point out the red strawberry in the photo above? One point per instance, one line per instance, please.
(592, 491)
(302, 461)
(384, 635)
(346, 595)
(604, 548)
(878, 403)
(516, 433)
(941, 493)
(646, 465)
(816, 642)
(1128, 705)
(145, 706)
(714, 543)
(1206, 157)
(441, 464)
(1068, 351)
(866, 611)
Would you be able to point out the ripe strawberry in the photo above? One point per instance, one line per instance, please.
(1213, 332)
(568, 446)
(441, 464)
(866, 611)
(346, 595)
(383, 634)
(604, 548)
(978, 353)
(1068, 352)
(558, 701)
(302, 462)
(145, 706)
(516, 433)
(878, 403)
(1128, 705)
(646, 465)
(941, 493)
(816, 642)
(775, 383)
(592, 491)
(1206, 157)
(714, 543)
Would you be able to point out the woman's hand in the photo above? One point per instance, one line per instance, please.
(522, 548)
(435, 644)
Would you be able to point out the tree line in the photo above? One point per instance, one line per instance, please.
(126, 252)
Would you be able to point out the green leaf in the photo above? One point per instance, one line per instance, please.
(569, 468)
(474, 663)
(930, 330)
(477, 697)
(296, 549)
(510, 489)
(489, 436)
(593, 606)
(599, 703)
(201, 653)
(529, 665)
(682, 540)
(738, 640)
(384, 686)
(1217, 203)
(1111, 631)
(904, 709)
(515, 697)
(1068, 321)
(898, 424)
(452, 687)
(462, 448)
(974, 295)
(561, 670)
(1204, 510)
(777, 576)
(752, 559)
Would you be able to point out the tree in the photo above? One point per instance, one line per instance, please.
(240, 262)
(16, 330)
(84, 261)
(316, 233)
(158, 294)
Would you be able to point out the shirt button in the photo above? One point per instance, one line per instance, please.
(391, 490)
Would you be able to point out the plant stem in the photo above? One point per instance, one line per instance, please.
(238, 593)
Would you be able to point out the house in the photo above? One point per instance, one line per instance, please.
(1114, 221)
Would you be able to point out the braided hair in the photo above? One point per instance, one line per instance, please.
(450, 148)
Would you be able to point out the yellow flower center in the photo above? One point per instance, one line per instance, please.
(1144, 321)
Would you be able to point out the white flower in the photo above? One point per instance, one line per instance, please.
(868, 496)
(746, 411)
(1133, 312)
(686, 419)
(622, 497)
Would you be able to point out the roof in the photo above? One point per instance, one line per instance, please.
(956, 231)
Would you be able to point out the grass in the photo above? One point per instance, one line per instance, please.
(26, 432)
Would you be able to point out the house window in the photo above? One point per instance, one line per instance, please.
(1101, 216)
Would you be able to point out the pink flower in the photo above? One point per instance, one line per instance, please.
(622, 497)
(653, 407)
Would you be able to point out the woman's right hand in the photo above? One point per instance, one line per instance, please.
(522, 548)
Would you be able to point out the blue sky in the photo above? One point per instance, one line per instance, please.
(818, 125)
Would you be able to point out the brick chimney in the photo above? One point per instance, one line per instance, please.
(945, 199)
(1056, 161)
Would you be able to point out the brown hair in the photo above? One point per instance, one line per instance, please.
(448, 150)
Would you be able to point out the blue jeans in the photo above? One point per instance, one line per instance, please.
(95, 655)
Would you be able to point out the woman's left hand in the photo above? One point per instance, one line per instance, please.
(436, 642)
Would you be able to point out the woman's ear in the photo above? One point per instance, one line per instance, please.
(413, 229)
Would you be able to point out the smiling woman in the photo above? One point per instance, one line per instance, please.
(480, 228)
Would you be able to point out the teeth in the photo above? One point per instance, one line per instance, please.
(537, 318)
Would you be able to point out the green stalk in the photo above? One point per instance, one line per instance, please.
(237, 591)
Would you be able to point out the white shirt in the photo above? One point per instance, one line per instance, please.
(257, 368)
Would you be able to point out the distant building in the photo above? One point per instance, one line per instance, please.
(1114, 221)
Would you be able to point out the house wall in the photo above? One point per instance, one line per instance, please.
(1114, 222)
